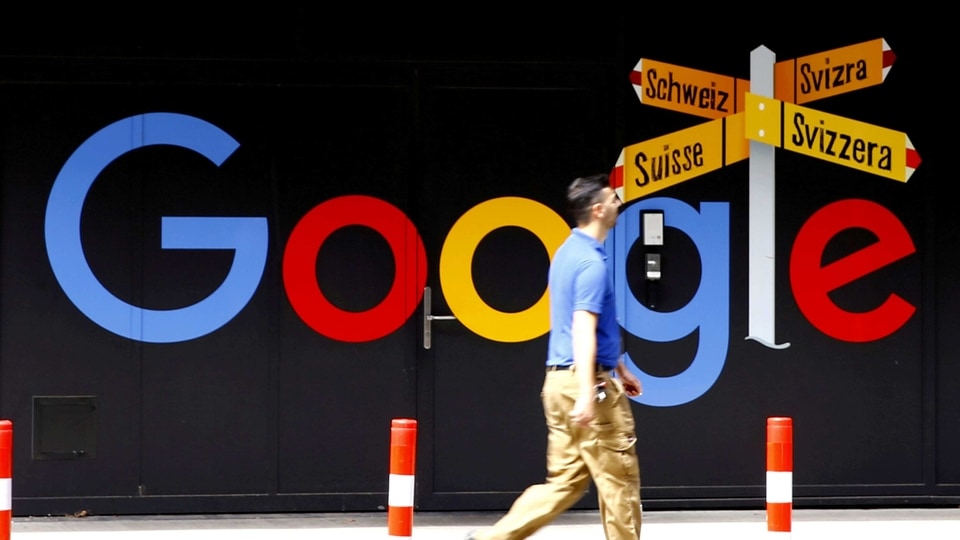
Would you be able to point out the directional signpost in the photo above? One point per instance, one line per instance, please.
(873, 149)
(749, 118)
(796, 81)
(762, 241)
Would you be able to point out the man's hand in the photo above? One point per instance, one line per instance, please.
(631, 384)
(582, 412)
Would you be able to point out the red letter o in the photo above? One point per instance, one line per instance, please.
(300, 260)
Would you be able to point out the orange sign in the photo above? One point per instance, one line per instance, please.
(739, 116)
(659, 163)
(833, 72)
(687, 90)
(858, 145)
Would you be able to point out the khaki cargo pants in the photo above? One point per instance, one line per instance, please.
(605, 451)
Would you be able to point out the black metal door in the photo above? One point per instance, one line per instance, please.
(497, 154)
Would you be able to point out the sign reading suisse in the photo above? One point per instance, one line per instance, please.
(659, 163)
(866, 147)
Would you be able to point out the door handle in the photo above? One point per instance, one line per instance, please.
(429, 317)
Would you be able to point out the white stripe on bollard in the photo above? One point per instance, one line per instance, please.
(401, 490)
(779, 487)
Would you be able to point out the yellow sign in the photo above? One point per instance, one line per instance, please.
(739, 116)
(666, 161)
(866, 147)
(833, 72)
(687, 90)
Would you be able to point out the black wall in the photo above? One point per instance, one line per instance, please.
(435, 113)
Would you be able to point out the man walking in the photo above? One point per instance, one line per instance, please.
(590, 426)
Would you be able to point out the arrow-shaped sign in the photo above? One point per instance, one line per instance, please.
(687, 90)
(650, 166)
(770, 118)
(659, 163)
(832, 72)
(847, 142)
(800, 80)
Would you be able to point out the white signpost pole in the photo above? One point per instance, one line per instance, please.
(762, 243)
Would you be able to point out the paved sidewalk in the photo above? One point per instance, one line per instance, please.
(882, 524)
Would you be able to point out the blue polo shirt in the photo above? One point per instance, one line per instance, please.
(579, 281)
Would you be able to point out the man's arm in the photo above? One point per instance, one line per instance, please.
(584, 335)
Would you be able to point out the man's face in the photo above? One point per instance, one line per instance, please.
(609, 208)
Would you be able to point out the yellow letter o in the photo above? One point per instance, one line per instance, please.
(456, 262)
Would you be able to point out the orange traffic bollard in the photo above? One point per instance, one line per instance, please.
(779, 475)
(6, 478)
(403, 453)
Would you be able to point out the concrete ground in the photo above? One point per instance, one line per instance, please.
(873, 524)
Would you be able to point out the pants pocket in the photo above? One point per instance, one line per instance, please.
(618, 452)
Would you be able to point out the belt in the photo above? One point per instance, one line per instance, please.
(565, 367)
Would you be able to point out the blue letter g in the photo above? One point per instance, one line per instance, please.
(246, 236)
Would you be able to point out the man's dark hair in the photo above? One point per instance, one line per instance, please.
(583, 193)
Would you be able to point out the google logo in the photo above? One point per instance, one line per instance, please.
(247, 237)
(708, 227)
